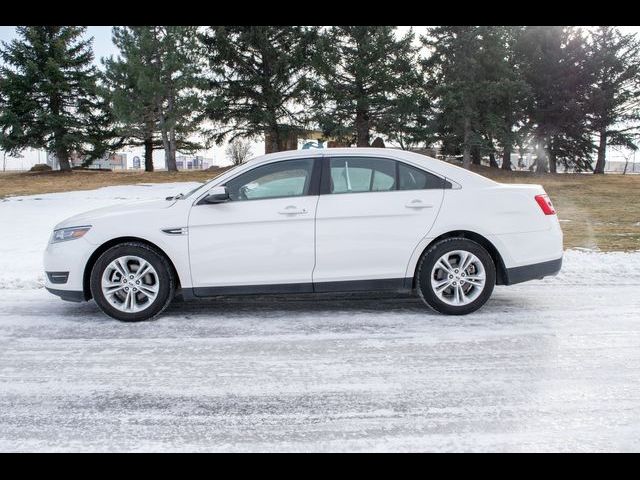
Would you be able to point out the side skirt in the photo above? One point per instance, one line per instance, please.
(386, 284)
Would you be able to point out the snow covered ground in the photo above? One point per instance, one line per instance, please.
(544, 366)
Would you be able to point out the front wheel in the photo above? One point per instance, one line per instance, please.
(455, 276)
(132, 282)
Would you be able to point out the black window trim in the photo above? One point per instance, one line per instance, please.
(324, 187)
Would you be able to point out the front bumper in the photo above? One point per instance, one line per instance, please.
(68, 295)
(68, 258)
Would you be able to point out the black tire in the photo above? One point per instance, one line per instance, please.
(425, 267)
(158, 261)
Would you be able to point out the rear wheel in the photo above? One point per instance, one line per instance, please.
(455, 276)
(132, 282)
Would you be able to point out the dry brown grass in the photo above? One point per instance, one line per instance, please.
(28, 183)
(601, 212)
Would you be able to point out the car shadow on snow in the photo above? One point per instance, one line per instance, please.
(322, 306)
(347, 303)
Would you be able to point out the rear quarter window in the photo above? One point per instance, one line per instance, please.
(412, 178)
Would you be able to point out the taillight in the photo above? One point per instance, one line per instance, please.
(545, 204)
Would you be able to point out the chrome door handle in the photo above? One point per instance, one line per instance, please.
(292, 210)
(418, 204)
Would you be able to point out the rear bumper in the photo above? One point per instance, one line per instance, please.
(532, 272)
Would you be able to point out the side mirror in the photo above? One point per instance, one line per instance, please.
(216, 195)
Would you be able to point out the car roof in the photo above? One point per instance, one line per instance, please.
(439, 167)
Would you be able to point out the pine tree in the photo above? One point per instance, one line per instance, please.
(504, 92)
(615, 95)
(180, 102)
(49, 91)
(259, 82)
(553, 60)
(132, 83)
(154, 89)
(408, 122)
(364, 72)
(454, 75)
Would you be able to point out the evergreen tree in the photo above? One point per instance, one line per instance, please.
(504, 92)
(49, 91)
(553, 60)
(615, 95)
(154, 89)
(408, 121)
(454, 75)
(365, 75)
(259, 83)
(180, 102)
(132, 83)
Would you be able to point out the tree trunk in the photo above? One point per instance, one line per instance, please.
(63, 159)
(271, 140)
(476, 158)
(553, 167)
(506, 158)
(541, 159)
(148, 154)
(492, 160)
(170, 157)
(362, 128)
(602, 149)
(169, 160)
(173, 148)
(171, 140)
(553, 164)
(62, 153)
(466, 150)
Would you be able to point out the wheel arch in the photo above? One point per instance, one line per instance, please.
(501, 270)
(86, 277)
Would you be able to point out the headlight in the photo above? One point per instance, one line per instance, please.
(70, 233)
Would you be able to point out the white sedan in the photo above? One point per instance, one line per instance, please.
(335, 220)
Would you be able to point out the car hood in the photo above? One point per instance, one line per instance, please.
(130, 208)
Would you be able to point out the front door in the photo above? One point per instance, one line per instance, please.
(262, 239)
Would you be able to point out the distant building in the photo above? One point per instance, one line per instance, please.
(114, 161)
(196, 162)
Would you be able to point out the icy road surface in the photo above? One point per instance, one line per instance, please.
(551, 365)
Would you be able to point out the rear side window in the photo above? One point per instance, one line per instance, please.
(411, 178)
(362, 174)
(352, 175)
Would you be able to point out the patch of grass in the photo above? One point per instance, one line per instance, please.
(596, 211)
(32, 183)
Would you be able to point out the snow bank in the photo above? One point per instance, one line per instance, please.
(27, 223)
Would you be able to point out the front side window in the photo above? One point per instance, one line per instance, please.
(352, 175)
(289, 178)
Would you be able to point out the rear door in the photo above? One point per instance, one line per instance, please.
(371, 215)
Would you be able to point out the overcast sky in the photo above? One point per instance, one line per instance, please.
(103, 47)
